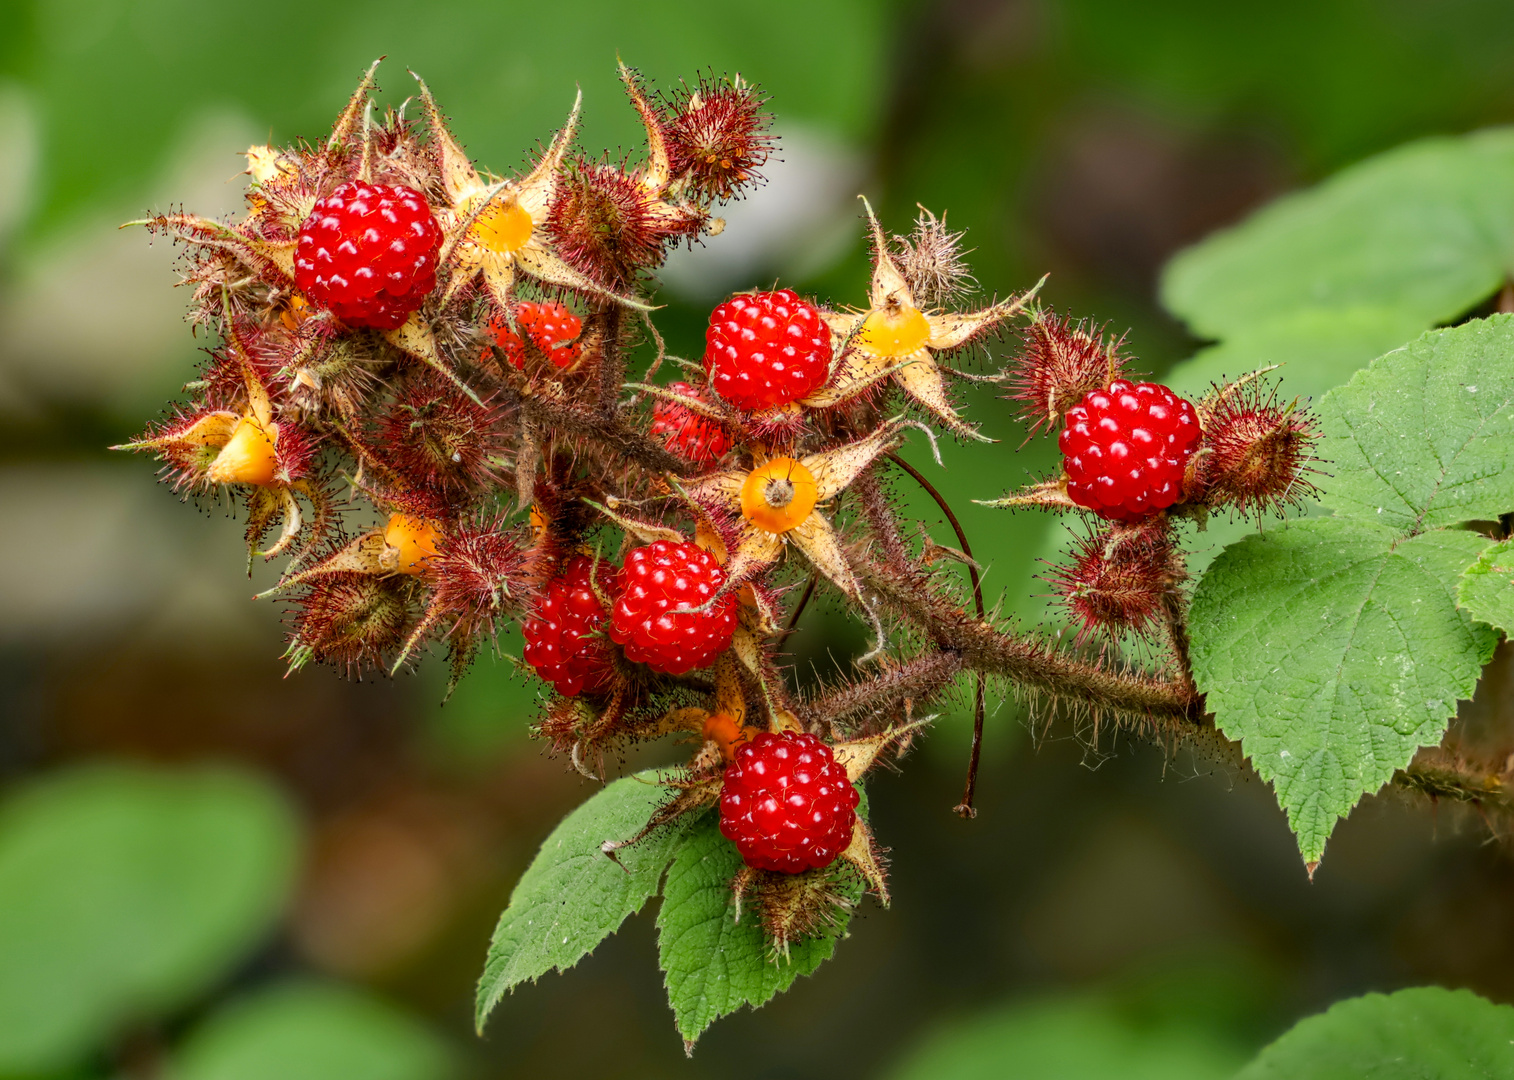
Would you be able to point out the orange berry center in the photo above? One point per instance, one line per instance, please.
(779, 495)
(503, 228)
(894, 332)
(414, 540)
(248, 457)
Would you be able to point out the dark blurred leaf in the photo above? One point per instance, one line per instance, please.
(312, 1032)
(1072, 1039)
(715, 965)
(126, 892)
(573, 895)
(1426, 229)
(1422, 1034)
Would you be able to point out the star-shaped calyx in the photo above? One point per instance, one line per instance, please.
(496, 229)
(894, 338)
(777, 501)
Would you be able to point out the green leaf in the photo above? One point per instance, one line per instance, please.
(1426, 229)
(127, 893)
(1318, 349)
(1425, 436)
(713, 964)
(573, 895)
(1486, 590)
(1333, 649)
(313, 1032)
(1060, 1039)
(1422, 1034)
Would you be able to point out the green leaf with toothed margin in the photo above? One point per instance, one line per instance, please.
(1424, 437)
(714, 965)
(1333, 650)
(573, 895)
(1426, 1033)
(1486, 589)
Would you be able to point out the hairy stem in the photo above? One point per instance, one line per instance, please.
(612, 364)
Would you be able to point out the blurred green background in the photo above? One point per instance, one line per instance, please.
(210, 871)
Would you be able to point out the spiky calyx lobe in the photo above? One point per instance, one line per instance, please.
(718, 137)
(1125, 449)
(1059, 363)
(786, 803)
(1257, 452)
(368, 253)
(691, 435)
(660, 615)
(1119, 580)
(563, 636)
(551, 327)
(766, 349)
(350, 620)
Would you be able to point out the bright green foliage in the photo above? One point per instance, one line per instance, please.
(1421, 1034)
(1072, 1039)
(1486, 590)
(573, 895)
(1332, 650)
(1425, 436)
(1327, 279)
(127, 892)
(312, 1032)
(715, 965)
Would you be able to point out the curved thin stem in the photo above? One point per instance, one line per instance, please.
(969, 788)
(793, 623)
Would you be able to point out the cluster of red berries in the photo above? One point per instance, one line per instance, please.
(368, 253)
(1125, 449)
(666, 612)
(688, 434)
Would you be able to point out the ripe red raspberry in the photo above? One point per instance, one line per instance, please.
(787, 804)
(557, 645)
(551, 326)
(368, 253)
(658, 580)
(766, 349)
(1125, 449)
(687, 433)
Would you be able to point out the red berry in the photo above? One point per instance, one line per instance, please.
(766, 349)
(557, 641)
(368, 253)
(1125, 449)
(787, 804)
(658, 580)
(687, 433)
(551, 326)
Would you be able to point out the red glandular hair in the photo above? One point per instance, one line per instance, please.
(718, 136)
(1119, 579)
(1059, 362)
(1256, 452)
(433, 437)
(351, 620)
(478, 575)
(606, 225)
